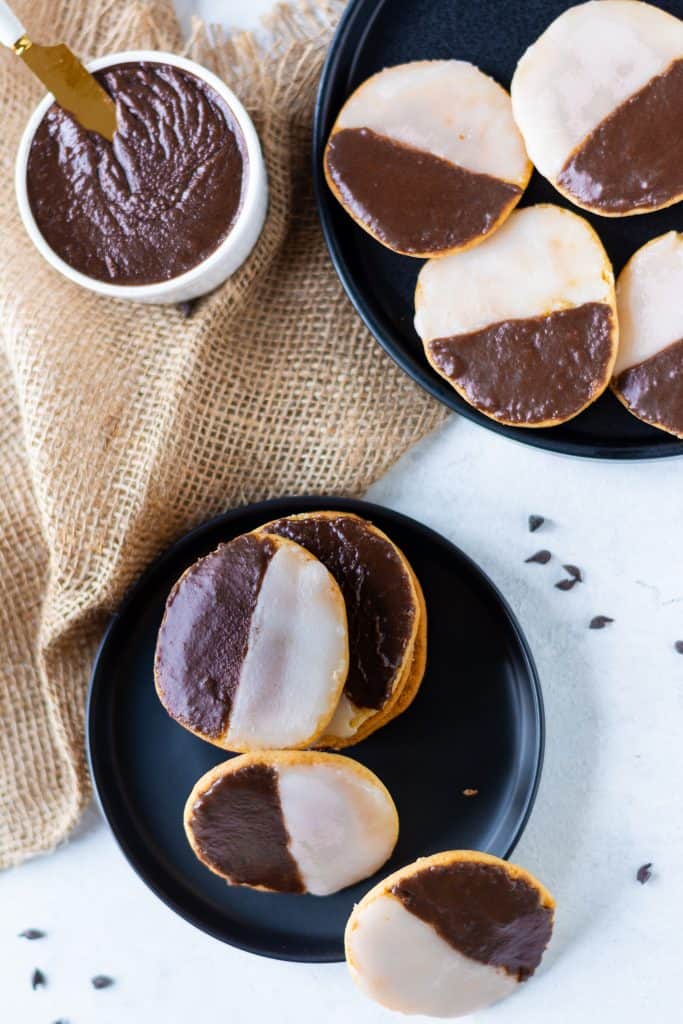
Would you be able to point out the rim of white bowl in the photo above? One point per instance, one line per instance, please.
(256, 179)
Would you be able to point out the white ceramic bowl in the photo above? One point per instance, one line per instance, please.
(231, 252)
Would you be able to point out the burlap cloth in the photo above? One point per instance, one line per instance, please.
(121, 426)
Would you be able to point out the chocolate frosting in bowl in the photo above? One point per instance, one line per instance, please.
(158, 200)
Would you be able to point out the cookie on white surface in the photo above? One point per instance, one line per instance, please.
(449, 934)
(387, 618)
(599, 100)
(291, 821)
(427, 158)
(253, 648)
(524, 327)
(648, 375)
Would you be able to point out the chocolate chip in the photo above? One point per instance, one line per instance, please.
(679, 646)
(470, 792)
(542, 557)
(599, 621)
(38, 980)
(31, 933)
(566, 584)
(102, 981)
(535, 522)
(187, 308)
(644, 873)
(574, 572)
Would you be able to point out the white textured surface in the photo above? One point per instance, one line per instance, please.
(543, 259)
(650, 301)
(446, 107)
(341, 825)
(297, 656)
(588, 62)
(404, 964)
(610, 797)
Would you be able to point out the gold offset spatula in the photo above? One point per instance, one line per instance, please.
(62, 74)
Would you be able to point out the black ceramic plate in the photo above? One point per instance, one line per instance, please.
(492, 34)
(477, 723)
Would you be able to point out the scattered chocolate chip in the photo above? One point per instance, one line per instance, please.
(102, 981)
(599, 621)
(470, 792)
(535, 523)
(542, 557)
(566, 584)
(574, 572)
(31, 933)
(679, 646)
(187, 308)
(38, 980)
(644, 873)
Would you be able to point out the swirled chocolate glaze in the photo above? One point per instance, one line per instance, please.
(155, 202)
(240, 830)
(653, 389)
(409, 199)
(531, 370)
(483, 912)
(205, 633)
(634, 158)
(380, 603)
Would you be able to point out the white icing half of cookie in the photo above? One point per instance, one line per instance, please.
(650, 301)
(342, 823)
(445, 107)
(590, 60)
(401, 962)
(543, 259)
(297, 655)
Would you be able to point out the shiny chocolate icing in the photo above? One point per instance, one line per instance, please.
(380, 605)
(204, 635)
(409, 199)
(155, 202)
(534, 369)
(483, 912)
(240, 830)
(634, 158)
(653, 389)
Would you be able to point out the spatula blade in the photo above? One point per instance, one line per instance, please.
(74, 88)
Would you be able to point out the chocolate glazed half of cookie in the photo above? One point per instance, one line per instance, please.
(533, 370)
(633, 160)
(653, 390)
(159, 199)
(386, 617)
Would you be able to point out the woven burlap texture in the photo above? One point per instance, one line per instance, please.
(121, 426)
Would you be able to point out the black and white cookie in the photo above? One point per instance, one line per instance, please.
(291, 821)
(253, 648)
(648, 374)
(386, 613)
(524, 327)
(449, 934)
(599, 101)
(427, 158)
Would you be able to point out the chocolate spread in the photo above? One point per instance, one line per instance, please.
(204, 635)
(634, 158)
(409, 199)
(533, 369)
(380, 605)
(155, 202)
(653, 389)
(240, 830)
(483, 912)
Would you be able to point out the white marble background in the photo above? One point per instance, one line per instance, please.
(610, 797)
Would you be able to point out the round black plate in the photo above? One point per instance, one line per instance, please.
(477, 723)
(493, 34)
